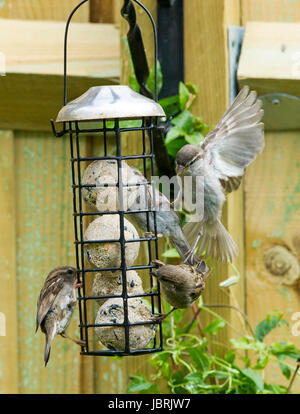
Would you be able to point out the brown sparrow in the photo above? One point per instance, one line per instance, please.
(181, 285)
(56, 305)
(221, 161)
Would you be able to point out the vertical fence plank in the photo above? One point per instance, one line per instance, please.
(206, 65)
(206, 56)
(44, 228)
(272, 205)
(8, 292)
(272, 219)
(235, 203)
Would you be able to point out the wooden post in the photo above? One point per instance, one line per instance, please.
(206, 65)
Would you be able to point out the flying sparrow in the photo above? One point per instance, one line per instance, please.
(56, 305)
(181, 285)
(221, 161)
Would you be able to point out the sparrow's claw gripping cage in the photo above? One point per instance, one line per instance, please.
(103, 112)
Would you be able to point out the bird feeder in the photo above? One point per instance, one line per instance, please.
(106, 243)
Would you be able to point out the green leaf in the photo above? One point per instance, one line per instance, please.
(261, 363)
(170, 106)
(195, 377)
(174, 146)
(195, 138)
(268, 324)
(199, 124)
(185, 121)
(151, 79)
(173, 134)
(184, 95)
(284, 350)
(214, 327)
(246, 342)
(255, 377)
(192, 88)
(230, 356)
(171, 254)
(276, 389)
(285, 370)
(140, 384)
(133, 83)
(200, 359)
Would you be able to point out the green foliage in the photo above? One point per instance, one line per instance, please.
(139, 384)
(214, 327)
(187, 129)
(268, 324)
(171, 253)
(186, 365)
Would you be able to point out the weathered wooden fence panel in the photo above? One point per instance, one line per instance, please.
(272, 201)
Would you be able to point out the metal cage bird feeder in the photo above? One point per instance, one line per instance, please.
(103, 112)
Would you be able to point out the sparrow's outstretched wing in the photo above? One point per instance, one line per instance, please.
(49, 292)
(236, 141)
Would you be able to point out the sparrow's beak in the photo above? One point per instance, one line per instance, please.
(179, 169)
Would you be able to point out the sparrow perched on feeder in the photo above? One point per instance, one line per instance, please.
(56, 305)
(221, 160)
(181, 285)
(167, 220)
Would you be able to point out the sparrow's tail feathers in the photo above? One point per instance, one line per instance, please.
(47, 352)
(218, 243)
(184, 249)
(49, 338)
(215, 241)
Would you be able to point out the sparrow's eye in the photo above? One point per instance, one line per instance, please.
(70, 272)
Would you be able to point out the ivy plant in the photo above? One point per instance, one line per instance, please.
(187, 366)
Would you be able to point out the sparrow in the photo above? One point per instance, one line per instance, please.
(221, 161)
(56, 305)
(167, 221)
(181, 285)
